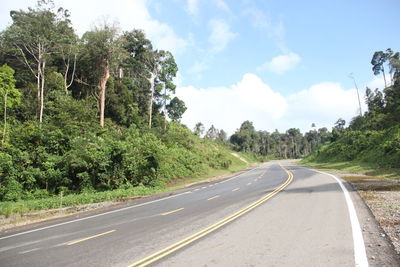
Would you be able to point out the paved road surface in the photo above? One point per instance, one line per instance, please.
(249, 220)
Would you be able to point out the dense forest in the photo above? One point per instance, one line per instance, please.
(89, 113)
(372, 137)
(291, 144)
(98, 112)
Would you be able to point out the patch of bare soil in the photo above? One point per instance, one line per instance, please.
(383, 198)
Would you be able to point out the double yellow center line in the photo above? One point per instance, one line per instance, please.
(190, 239)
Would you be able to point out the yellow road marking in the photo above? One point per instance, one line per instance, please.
(90, 237)
(236, 189)
(213, 197)
(173, 211)
(249, 183)
(190, 239)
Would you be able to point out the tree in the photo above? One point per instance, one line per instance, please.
(212, 133)
(175, 109)
(154, 70)
(167, 74)
(198, 129)
(136, 67)
(246, 138)
(10, 95)
(222, 137)
(102, 48)
(339, 125)
(374, 100)
(69, 52)
(35, 36)
(338, 129)
(294, 137)
(378, 61)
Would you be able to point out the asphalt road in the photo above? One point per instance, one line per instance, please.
(268, 216)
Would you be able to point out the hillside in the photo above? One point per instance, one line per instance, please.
(372, 138)
(92, 118)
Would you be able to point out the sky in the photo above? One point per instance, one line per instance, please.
(280, 64)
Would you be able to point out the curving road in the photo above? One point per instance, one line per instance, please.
(272, 215)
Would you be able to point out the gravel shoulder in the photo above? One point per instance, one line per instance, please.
(378, 204)
(382, 196)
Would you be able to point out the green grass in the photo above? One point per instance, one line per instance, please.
(365, 168)
(7, 208)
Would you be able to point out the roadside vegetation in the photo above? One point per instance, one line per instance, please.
(371, 142)
(95, 118)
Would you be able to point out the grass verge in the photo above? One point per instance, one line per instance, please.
(368, 169)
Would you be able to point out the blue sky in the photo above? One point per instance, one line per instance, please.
(280, 64)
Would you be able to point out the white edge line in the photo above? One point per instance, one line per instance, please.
(360, 256)
(112, 211)
(93, 216)
(27, 251)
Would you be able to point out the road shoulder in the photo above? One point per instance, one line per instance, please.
(382, 248)
(37, 219)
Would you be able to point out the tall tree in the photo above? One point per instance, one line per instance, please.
(102, 47)
(154, 71)
(175, 109)
(68, 48)
(222, 137)
(10, 95)
(378, 63)
(167, 74)
(35, 36)
(212, 133)
(198, 129)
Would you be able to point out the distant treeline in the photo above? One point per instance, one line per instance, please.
(291, 144)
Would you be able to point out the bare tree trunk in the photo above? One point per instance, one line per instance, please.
(384, 76)
(102, 87)
(151, 80)
(38, 89)
(67, 65)
(5, 117)
(42, 93)
(165, 107)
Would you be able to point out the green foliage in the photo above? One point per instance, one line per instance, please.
(7, 87)
(292, 144)
(66, 153)
(175, 109)
(10, 96)
(379, 147)
(373, 137)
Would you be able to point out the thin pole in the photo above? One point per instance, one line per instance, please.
(358, 94)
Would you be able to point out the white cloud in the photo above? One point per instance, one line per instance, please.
(252, 99)
(281, 64)
(227, 107)
(377, 82)
(192, 7)
(220, 35)
(274, 28)
(322, 104)
(178, 79)
(199, 66)
(222, 5)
